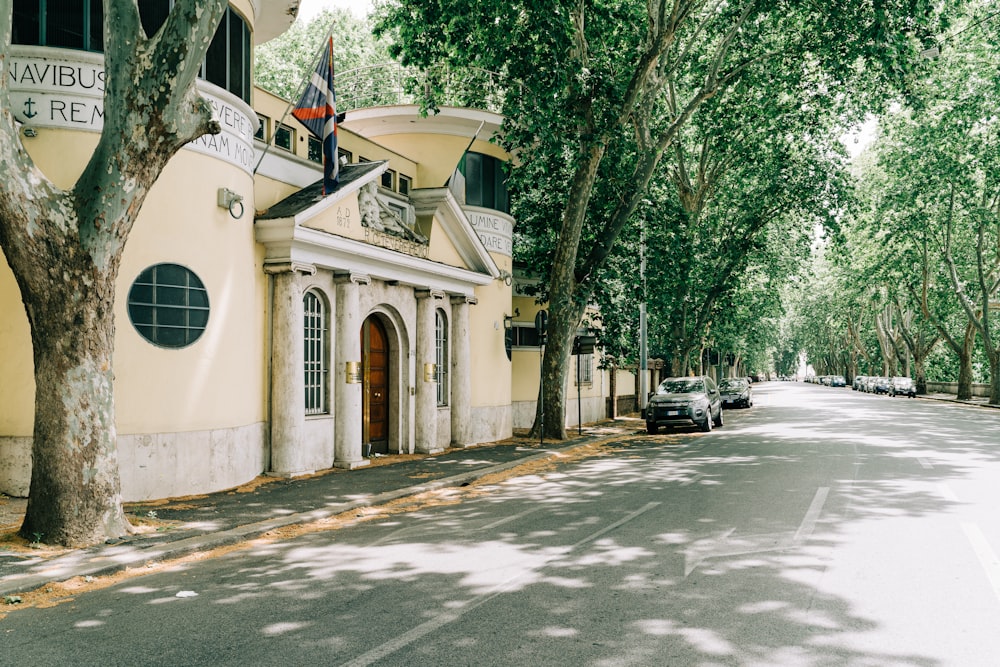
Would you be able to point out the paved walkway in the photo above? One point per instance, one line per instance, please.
(199, 523)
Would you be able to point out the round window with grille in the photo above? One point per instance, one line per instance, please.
(168, 306)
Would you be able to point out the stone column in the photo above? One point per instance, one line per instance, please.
(347, 390)
(425, 408)
(461, 372)
(288, 401)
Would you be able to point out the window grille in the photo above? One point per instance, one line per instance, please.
(315, 356)
(168, 306)
(441, 357)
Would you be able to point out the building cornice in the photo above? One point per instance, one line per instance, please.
(286, 242)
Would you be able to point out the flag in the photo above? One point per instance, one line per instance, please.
(317, 110)
(456, 182)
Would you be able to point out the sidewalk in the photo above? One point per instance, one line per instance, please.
(980, 401)
(199, 523)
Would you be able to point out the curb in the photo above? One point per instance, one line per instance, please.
(972, 403)
(105, 560)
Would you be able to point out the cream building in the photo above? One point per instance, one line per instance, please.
(263, 327)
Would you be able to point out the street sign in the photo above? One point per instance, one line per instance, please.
(541, 325)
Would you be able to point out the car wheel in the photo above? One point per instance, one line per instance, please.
(652, 429)
(706, 425)
(718, 422)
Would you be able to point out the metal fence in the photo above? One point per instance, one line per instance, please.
(392, 84)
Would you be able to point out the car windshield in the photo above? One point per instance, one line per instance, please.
(681, 386)
(903, 381)
(735, 383)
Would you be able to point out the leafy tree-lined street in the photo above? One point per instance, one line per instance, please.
(820, 527)
(610, 102)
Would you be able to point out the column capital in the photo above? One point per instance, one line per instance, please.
(352, 277)
(467, 299)
(429, 294)
(275, 268)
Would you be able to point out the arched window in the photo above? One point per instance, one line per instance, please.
(79, 24)
(441, 356)
(315, 341)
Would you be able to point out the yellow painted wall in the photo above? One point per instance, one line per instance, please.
(441, 248)
(343, 219)
(218, 381)
(491, 377)
(17, 381)
(524, 379)
(445, 150)
(17, 369)
(272, 108)
(524, 382)
(268, 192)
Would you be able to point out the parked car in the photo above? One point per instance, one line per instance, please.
(838, 381)
(685, 400)
(859, 383)
(880, 385)
(902, 386)
(826, 380)
(736, 392)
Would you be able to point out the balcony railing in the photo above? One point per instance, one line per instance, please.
(392, 84)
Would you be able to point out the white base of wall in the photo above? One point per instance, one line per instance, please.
(161, 465)
(594, 410)
(15, 465)
(170, 465)
(490, 424)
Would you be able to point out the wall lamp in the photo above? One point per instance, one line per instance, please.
(232, 201)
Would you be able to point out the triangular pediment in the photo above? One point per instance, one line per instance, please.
(438, 208)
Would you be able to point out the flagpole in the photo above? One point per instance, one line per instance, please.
(467, 149)
(296, 96)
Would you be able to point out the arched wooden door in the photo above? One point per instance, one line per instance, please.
(375, 387)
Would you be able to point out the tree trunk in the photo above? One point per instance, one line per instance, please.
(965, 363)
(920, 375)
(564, 318)
(75, 491)
(64, 249)
(995, 379)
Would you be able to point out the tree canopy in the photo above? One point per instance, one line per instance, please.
(600, 92)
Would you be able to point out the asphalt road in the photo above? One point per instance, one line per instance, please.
(820, 527)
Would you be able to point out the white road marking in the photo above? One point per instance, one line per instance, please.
(726, 545)
(696, 478)
(809, 520)
(462, 608)
(508, 519)
(945, 491)
(987, 557)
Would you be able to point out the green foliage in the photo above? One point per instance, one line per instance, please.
(282, 64)
(919, 250)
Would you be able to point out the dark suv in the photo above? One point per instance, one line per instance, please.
(685, 400)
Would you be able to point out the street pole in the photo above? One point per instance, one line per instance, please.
(541, 393)
(643, 355)
(579, 400)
